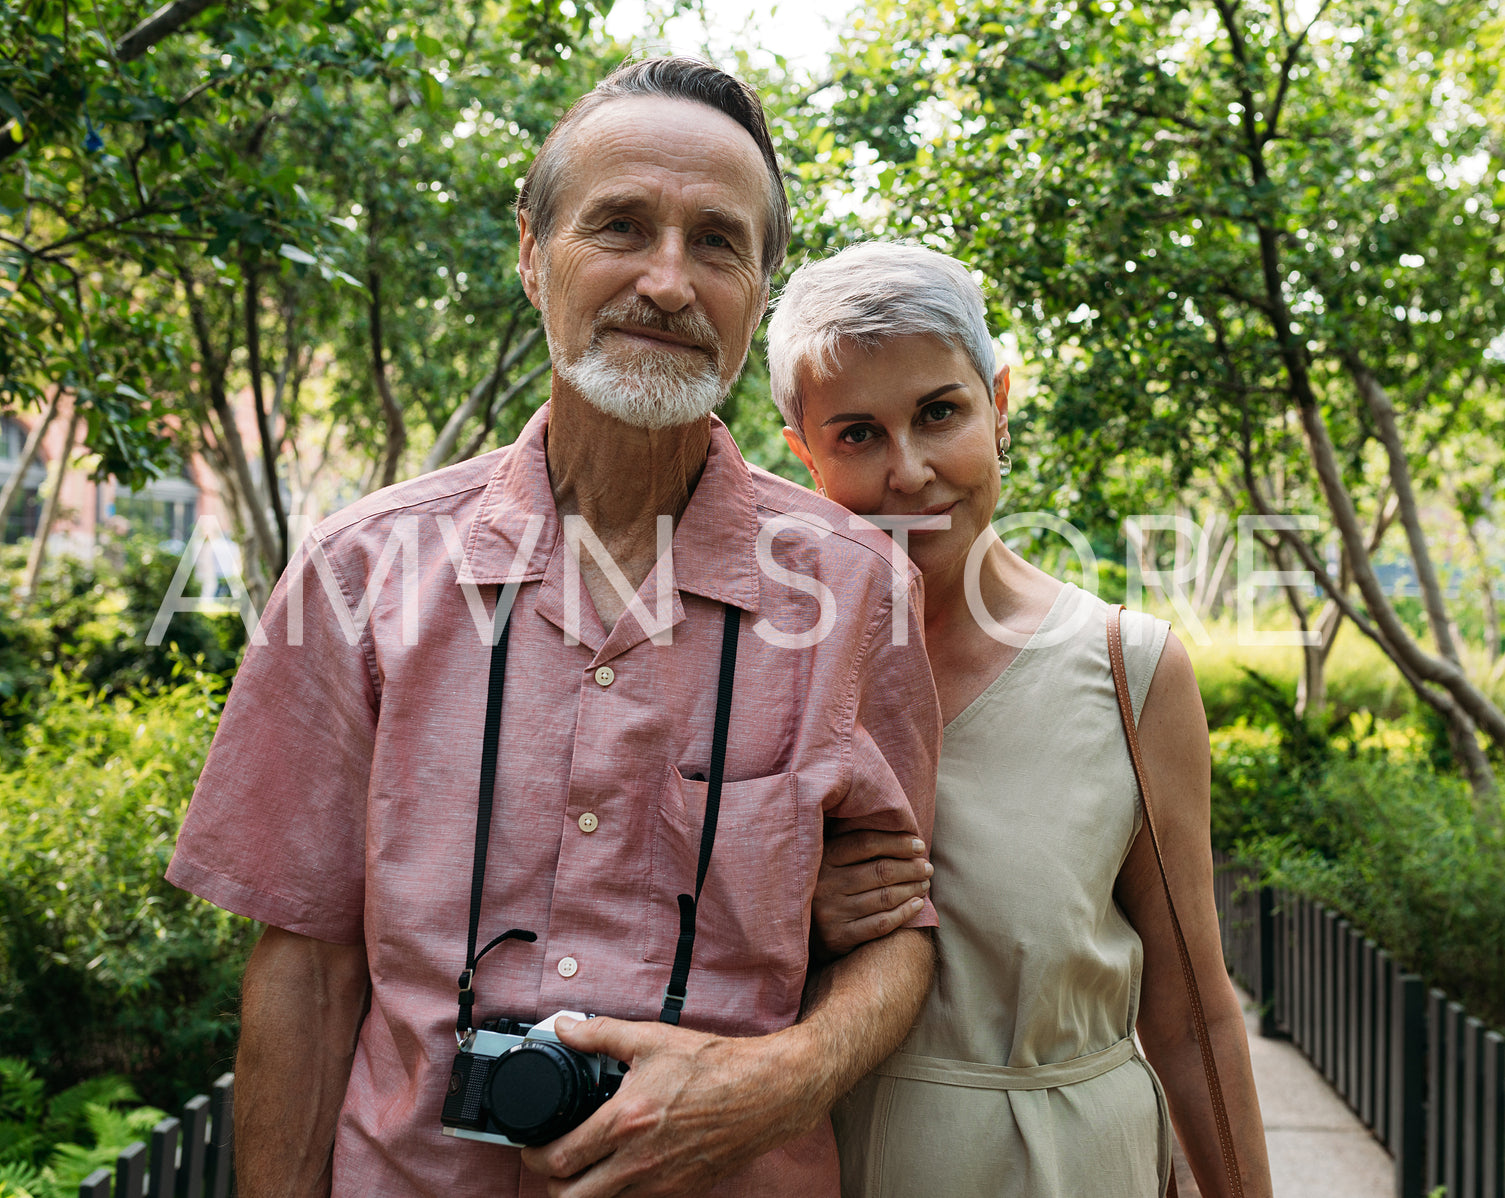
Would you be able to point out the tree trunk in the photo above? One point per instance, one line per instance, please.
(1463, 704)
(1486, 590)
(1471, 705)
(263, 425)
(505, 398)
(1377, 399)
(397, 431)
(481, 396)
(16, 484)
(212, 367)
(50, 506)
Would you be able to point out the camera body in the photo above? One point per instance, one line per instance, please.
(515, 1083)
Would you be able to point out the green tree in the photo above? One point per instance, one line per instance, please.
(1259, 248)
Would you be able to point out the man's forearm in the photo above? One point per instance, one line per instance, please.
(302, 1006)
(861, 1007)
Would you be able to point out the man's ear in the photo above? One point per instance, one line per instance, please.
(802, 451)
(528, 259)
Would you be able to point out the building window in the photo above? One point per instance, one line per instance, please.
(164, 509)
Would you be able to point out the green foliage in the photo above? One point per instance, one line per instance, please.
(1407, 855)
(48, 1146)
(1359, 813)
(90, 620)
(104, 967)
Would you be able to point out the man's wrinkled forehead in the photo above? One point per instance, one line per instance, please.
(623, 126)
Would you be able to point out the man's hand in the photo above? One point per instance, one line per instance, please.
(696, 1107)
(692, 1108)
(870, 884)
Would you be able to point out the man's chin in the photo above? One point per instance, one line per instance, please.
(651, 415)
(640, 400)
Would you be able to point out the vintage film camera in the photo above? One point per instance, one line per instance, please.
(515, 1083)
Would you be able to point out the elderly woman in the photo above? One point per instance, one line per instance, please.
(1022, 1077)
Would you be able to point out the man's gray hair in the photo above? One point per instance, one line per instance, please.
(867, 295)
(677, 78)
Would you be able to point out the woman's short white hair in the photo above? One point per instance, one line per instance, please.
(866, 295)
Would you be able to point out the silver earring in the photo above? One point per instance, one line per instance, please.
(1005, 463)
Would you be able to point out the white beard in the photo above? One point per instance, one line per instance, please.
(655, 389)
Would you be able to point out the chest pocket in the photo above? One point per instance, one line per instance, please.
(754, 910)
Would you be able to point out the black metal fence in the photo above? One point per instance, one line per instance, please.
(1423, 1075)
(188, 1157)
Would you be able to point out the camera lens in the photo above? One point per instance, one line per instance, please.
(538, 1090)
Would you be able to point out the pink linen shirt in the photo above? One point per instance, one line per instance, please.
(339, 798)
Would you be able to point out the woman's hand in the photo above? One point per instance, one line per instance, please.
(870, 884)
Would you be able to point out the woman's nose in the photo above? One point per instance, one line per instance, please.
(908, 472)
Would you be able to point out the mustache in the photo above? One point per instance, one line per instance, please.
(688, 325)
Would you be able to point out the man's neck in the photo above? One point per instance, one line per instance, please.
(620, 479)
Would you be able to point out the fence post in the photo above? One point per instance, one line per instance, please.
(1329, 1020)
(130, 1171)
(1386, 1064)
(96, 1185)
(1452, 1080)
(195, 1138)
(1338, 1054)
(1494, 1116)
(1369, 1048)
(1437, 1093)
(1408, 1085)
(1356, 1047)
(1473, 1105)
(162, 1173)
(222, 1131)
(1269, 1025)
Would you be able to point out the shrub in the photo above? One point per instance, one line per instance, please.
(91, 619)
(104, 967)
(1367, 823)
(47, 1147)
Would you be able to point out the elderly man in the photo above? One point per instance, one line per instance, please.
(696, 672)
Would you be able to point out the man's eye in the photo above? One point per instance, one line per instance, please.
(620, 226)
(717, 241)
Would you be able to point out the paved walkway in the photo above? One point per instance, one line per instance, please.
(1318, 1148)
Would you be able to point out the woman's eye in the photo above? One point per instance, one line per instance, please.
(856, 434)
(938, 411)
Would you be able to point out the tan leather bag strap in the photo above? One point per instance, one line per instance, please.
(1188, 974)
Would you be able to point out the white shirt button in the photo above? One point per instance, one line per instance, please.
(588, 822)
(568, 967)
(605, 676)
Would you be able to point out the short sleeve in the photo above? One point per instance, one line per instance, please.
(895, 739)
(276, 829)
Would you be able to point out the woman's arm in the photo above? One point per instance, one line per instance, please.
(1173, 738)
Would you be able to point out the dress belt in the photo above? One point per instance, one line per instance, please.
(979, 1076)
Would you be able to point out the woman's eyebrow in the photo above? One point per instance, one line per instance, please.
(943, 389)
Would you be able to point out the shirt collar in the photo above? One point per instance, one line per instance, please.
(517, 529)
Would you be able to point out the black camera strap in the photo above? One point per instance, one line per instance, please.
(674, 993)
(679, 979)
(490, 745)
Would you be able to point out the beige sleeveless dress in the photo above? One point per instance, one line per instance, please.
(1021, 1078)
